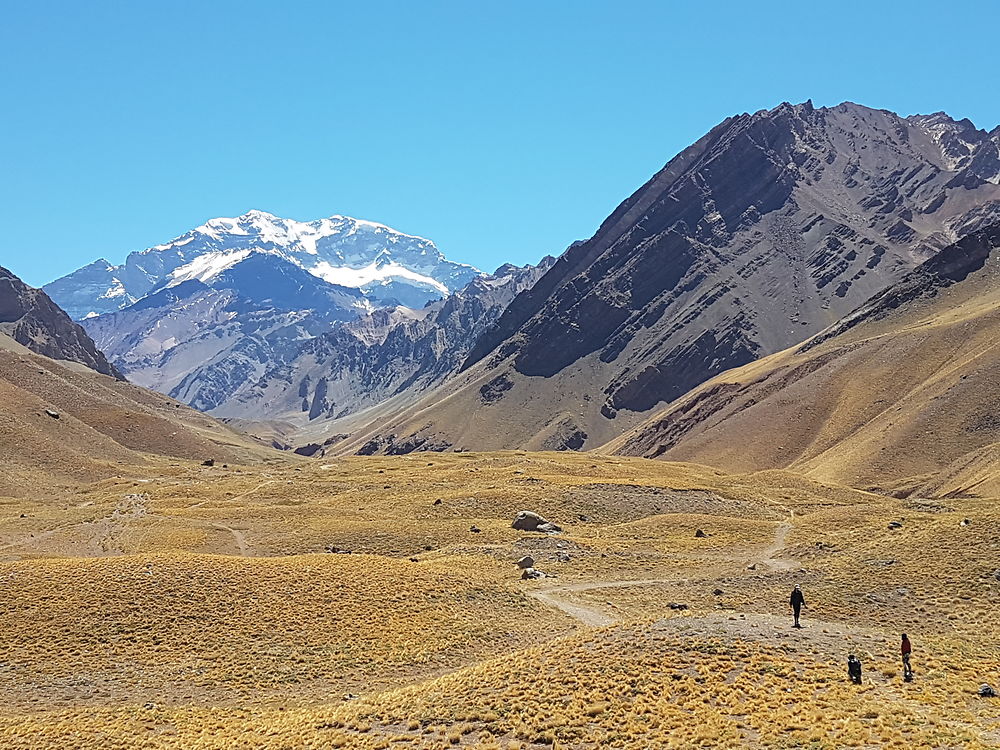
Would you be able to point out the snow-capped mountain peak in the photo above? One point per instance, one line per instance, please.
(388, 266)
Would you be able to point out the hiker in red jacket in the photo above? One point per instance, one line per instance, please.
(906, 649)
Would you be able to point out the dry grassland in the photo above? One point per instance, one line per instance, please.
(185, 606)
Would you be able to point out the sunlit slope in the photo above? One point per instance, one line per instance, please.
(198, 610)
(62, 423)
(901, 394)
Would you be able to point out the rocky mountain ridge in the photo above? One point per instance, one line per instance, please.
(367, 361)
(899, 395)
(768, 229)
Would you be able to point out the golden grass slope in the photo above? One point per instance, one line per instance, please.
(906, 399)
(105, 426)
(194, 608)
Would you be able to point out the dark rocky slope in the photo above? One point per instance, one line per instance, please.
(901, 394)
(30, 318)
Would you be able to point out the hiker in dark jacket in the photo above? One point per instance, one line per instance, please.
(854, 669)
(797, 601)
(906, 649)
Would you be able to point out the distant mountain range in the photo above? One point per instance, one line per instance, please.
(302, 354)
(386, 267)
(264, 319)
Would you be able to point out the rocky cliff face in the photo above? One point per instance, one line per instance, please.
(385, 354)
(765, 231)
(201, 340)
(900, 394)
(31, 319)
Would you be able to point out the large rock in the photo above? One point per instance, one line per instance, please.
(527, 520)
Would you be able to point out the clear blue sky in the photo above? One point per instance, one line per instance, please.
(501, 130)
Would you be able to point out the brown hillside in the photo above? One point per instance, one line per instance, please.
(901, 394)
(104, 426)
(30, 318)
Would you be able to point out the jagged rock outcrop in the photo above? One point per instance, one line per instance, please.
(767, 230)
(33, 320)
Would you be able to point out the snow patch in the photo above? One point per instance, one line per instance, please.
(359, 277)
(208, 266)
(117, 289)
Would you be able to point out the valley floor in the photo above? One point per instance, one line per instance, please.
(375, 603)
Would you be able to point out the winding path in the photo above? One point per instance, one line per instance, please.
(591, 616)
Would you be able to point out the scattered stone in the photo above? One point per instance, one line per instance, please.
(350, 697)
(985, 691)
(699, 534)
(334, 550)
(965, 522)
(531, 574)
(475, 529)
(895, 525)
(149, 706)
(428, 548)
(677, 606)
(526, 562)
(752, 566)
(413, 559)
(584, 518)
(53, 414)
(526, 520)
(208, 462)
(437, 502)
(718, 592)
(562, 557)
(996, 574)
